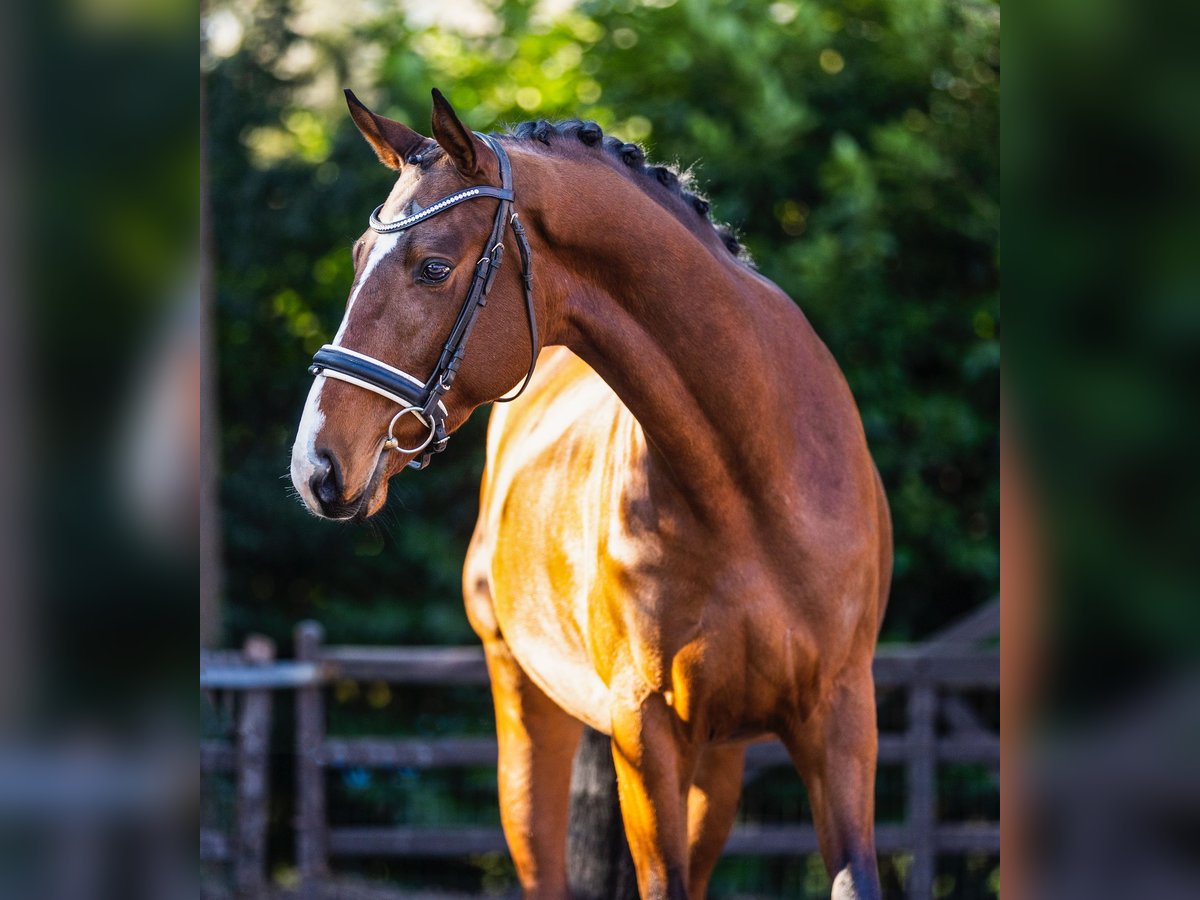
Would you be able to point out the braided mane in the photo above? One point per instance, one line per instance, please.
(679, 184)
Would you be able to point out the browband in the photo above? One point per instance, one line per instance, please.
(442, 205)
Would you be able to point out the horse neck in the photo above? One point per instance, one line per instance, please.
(736, 394)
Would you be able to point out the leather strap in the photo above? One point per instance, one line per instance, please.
(530, 310)
(481, 190)
(400, 385)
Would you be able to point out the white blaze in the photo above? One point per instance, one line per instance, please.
(304, 450)
(384, 244)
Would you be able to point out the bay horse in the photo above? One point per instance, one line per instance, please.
(682, 541)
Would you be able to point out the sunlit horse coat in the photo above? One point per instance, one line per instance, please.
(682, 539)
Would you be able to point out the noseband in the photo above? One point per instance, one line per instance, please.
(423, 399)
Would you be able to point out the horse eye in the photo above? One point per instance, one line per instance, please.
(434, 271)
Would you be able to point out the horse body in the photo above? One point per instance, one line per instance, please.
(690, 548)
(682, 540)
(598, 587)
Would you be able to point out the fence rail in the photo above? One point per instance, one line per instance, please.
(895, 666)
(929, 674)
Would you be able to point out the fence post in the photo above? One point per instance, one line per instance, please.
(253, 741)
(311, 856)
(922, 781)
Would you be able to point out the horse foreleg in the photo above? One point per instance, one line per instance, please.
(835, 751)
(537, 742)
(711, 806)
(653, 774)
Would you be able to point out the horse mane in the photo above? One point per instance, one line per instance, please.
(690, 202)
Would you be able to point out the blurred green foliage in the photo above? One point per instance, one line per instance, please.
(853, 146)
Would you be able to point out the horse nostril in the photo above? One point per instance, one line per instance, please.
(325, 483)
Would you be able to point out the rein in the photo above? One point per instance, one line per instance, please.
(423, 399)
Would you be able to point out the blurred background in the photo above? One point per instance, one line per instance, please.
(854, 149)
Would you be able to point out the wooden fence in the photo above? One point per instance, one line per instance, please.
(246, 756)
(932, 675)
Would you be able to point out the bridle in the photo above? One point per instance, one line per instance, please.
(423, 399)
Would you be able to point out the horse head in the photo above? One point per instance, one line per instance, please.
(381, 399)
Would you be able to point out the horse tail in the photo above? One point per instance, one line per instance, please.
(599, 865)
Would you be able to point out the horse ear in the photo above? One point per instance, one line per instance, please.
(460, 143)
(394, 143)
